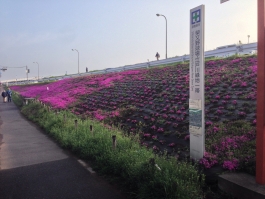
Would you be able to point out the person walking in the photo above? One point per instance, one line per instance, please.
(157, 56)
(4, 94)
(9, 95)
(86, 69)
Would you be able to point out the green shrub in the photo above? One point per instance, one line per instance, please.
(143, 174)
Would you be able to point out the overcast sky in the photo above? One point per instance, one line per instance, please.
(110, 33)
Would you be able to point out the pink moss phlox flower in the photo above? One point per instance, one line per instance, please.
(67, 91)
(254, 121)
(160, 129)
(182, 108)
(227, 97)
(241, 113)
(215, 129)
(147, 135)
(115, 113)
(231, 164)
(171, 144)
(153, 127)
(208, 123)
(187, 137)
(234, 102)
(98, 116)
(131, 72)
(217, 97)
(219, 112)
(164, 116)
(234, 142)
(244, 84)
(154, 137)
(155, 148)
(208, 160)
(236, 60)
(224, 102)
(254, 68)
(211, 63)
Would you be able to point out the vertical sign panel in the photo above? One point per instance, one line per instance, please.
(196, 102)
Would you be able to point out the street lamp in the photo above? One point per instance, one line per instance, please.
(78, 58)
(166, 31)
(4, 68)
(38, 69)
(248, 38)
(27, 72)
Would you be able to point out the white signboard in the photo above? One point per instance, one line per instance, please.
(196, 102)
(222, 1)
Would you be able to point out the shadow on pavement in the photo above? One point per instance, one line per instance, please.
(53, 180)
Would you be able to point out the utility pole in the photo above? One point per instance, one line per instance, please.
(27, 74)
(260, 139)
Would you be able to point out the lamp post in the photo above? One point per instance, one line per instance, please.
(27, 72)
(248, 38)
(4, 68)
(166, 31)
(78, 58)
(38, 69)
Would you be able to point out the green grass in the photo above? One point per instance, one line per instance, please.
(132, 164)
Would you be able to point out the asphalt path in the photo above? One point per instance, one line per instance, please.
(33, 166)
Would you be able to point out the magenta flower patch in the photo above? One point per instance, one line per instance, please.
(157, 101)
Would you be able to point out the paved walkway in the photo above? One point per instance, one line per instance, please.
(32, 166)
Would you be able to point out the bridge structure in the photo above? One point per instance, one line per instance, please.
(219, 52)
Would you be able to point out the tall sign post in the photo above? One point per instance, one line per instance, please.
(197, 65)
(260, 139)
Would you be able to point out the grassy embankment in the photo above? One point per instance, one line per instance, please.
(143, 174)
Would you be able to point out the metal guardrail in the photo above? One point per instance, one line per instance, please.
(222, 51)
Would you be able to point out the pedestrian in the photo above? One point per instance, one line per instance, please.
(157, 56)
(9, 95)
(86, 69)
(4, 94)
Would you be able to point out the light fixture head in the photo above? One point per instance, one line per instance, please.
(72, 49)
(158, 15)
